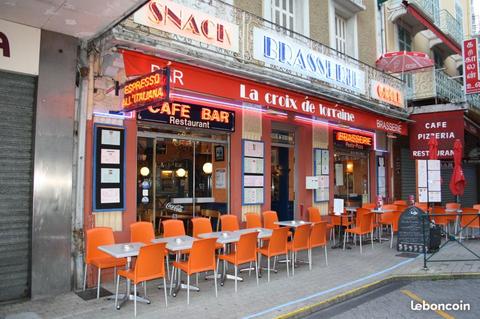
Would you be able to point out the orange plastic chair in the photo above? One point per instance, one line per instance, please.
(400, 202)
(142, 232)
(470, 221)
(202, 258)
(369, 205)
(301, 241)
(422, 206)
(201, 225)
(173, 228)
(318, 237)
(314, 216)
(364, 227)
(149, 265)
(277, 245)
(269, 219)
(253, 220)
(439, 219)
(245, 252)
(390, 220)
(95, 237)
(229, 222)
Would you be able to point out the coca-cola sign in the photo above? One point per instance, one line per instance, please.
(174, 207)
(445, 126)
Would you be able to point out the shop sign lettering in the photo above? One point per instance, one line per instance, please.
(4, 45)
(174, 207)
(471, 66)
(189, 115)
(147, 90)
(282, 52)
(178, 19)
(352, 140)
(444, 126)
(386, 93)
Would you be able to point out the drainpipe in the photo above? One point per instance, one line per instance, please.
(85, 99)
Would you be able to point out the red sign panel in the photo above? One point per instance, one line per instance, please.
(147, 90)
(471, 66)
(445, 126)
(199, 80)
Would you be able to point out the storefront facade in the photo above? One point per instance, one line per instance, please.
(237, 134)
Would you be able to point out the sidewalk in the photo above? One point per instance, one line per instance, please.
(347, 270)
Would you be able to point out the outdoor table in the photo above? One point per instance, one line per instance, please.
(378, 212)
(177, 244)
(339, 245)
(262, 232)
(126, 250)
(457, 218)
(292, 223)
(351, 209)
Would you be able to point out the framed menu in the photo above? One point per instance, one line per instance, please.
(321, 169)
(381, 176)
(253, 168)
(108, 168)
(429, 181)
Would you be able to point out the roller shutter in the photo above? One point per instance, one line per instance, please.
(407, 174)
(16, 136)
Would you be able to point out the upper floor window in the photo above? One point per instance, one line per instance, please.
(284, 13)
(340, 34)
(438, 59)
(290, 14)
(404, 40)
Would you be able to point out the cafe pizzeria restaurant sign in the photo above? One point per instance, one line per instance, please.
(19, 48)
(189, 115)
(445, 126)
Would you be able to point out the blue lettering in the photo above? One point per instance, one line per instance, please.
(311, 63)
(328, 66)
(321, 67)
(299, 60)
(269, 48)
(284, 52)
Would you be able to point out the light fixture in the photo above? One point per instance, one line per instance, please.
(207, 168)
(181, 172)
(144, 171)
(349, 167)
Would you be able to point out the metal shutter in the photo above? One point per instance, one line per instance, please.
(407, 174)
(16, 142)
(469, 197)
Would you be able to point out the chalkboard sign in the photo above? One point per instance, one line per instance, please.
(410, 228)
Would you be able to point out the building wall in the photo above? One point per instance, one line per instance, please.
(252, 6)
(319, 21)
(367, 43)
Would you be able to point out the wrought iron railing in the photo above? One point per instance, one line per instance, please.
(429, 7)
(244, 59)
(435, 84)
(473, 100)
(451, 26)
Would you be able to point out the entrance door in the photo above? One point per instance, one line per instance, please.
(188, 173)
(283, 195)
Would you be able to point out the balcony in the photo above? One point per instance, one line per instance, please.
(436, 84)
(451, 27)
(473, 100)
(428, 8)
(353, 6)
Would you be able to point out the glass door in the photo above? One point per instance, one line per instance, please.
(186, 174)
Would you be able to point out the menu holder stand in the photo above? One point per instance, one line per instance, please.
(321, 162)
(253, 172)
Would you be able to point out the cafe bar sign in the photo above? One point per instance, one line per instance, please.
(189, 115)
(352, 140)
(180, 20)
(147, 90)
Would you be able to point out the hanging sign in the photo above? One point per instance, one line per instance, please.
(351, 140)
(386, 93)
(471, 66)
(149, 89)
(190, 115)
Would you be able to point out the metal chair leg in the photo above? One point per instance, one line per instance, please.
(371, 241)
(215, 283)
(165, 291)
(360, 244)
(256, 270)
(98, 282)
(326, 258)
(268, 269)
(135, 299)
(116, 292)
(188, 289)
(287, 261)
(85, 277)
(236, 270)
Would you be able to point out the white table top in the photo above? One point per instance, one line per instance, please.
(292, 223)
(262, 232)
(122, 250)
(351, 209)
(381, 211)
(176, 243)
(453, 210)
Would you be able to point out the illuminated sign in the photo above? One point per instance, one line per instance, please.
(352, 140)
(386, 93)
(181, 20)
(147, 90)
(189, 115)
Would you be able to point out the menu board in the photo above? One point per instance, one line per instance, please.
(429, 181)
(109, 168)
(321, 169)
(381, 177)
(413, 231)
(253, 177)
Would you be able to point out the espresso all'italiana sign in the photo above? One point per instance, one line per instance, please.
(189, 115)
(444, 126)
(150, 89)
